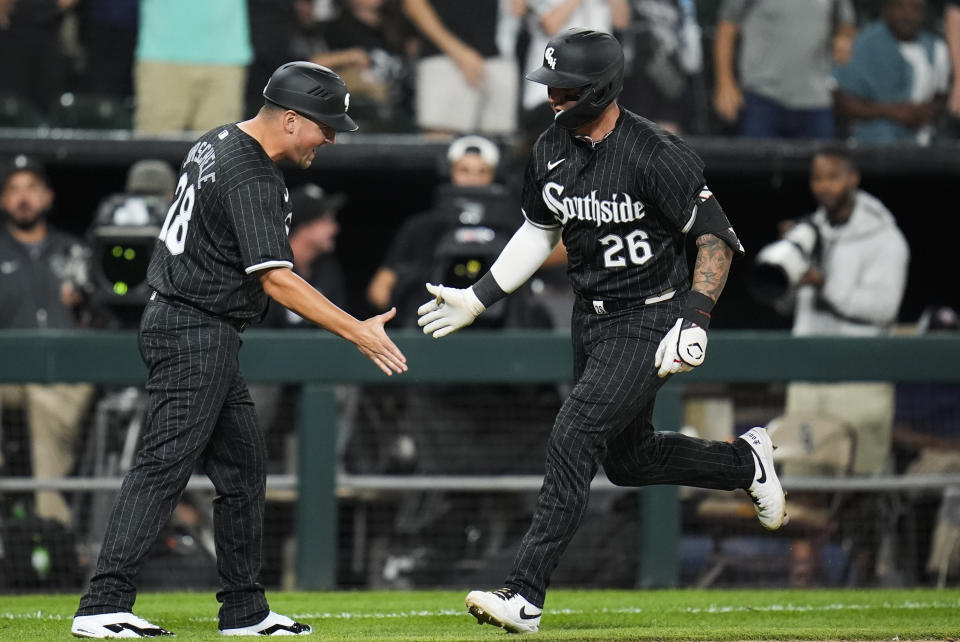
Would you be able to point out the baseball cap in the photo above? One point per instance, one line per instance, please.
(151, 177)
(24, 163)
(485, 147)
(310, 202)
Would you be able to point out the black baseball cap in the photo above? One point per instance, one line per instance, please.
(310, 202)
(24, 163)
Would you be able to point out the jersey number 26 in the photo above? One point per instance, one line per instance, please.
(633, 246)
(174, 230)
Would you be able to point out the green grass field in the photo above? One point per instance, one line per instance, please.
(916, 614)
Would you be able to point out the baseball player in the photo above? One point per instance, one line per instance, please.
(624, 195)
(221, 252)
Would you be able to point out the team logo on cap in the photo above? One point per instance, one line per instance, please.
(346, 102)
(548, 56)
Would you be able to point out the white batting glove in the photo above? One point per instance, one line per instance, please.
(682, 349)
(452, 309)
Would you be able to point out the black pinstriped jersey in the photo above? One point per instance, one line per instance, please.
(229, 218)
(624, 204)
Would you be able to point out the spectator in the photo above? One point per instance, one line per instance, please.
(545, 19)
(272, 41)
(367, 42)
(108, 30)
(191, 60)
(40, 272)
(852, 288)
(30, 31)
(464, 81)
(664, 59)
(951, 28)
(786, 48)
(895, 85)
(378, 73)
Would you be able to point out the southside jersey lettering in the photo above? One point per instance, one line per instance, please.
(624, 204)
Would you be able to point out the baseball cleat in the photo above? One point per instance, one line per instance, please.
(273, 624)
(504, 608)
(768, 497)
(115, 625)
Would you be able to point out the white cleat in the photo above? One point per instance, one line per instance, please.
(273, 624)
(504, 608)
(115, 625)
(765, 491)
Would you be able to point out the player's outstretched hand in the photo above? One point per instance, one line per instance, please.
(449, 310)
(377, 346)
(682, 349)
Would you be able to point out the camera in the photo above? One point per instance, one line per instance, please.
(122, 239)
(779, 266)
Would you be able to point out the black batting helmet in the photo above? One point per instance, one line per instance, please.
(312, 90)
(582, 58)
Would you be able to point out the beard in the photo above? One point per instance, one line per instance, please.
(26, 224)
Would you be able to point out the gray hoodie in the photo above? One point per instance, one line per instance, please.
(864, 265)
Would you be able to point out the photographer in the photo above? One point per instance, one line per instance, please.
(843, 269)
(852, 255)
(42, 274)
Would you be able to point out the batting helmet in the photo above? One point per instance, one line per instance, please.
(312, 90)
(582, 58)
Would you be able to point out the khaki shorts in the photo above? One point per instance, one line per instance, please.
(446, 102)
(174, 97)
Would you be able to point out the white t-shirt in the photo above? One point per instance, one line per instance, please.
(930, 77)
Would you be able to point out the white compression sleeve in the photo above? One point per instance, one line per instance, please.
(523, 255)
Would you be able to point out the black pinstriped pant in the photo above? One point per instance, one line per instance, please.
(199, 412)
(607, 420)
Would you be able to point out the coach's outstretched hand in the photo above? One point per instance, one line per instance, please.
(450, 310)
(377, 346)
(682, 349)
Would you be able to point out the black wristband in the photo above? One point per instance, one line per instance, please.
(488, 290)
(697, 308)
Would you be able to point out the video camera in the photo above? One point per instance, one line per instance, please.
(122, 238)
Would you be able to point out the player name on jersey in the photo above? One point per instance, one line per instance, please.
(590, 208)
(204, 155)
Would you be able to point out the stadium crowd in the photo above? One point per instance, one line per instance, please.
(871, 70)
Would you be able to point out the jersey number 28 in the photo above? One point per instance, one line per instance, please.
(174, 230)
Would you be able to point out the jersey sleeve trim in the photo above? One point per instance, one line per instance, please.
(542, 226)
(693, 218)
(268, 264)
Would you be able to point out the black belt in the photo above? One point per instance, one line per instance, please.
(609, 306)
(238, 324)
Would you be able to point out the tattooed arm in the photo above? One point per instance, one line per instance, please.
(712, 266)
(684, 346)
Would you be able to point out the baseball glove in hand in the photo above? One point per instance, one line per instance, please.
(682, 349)
(452, 309)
